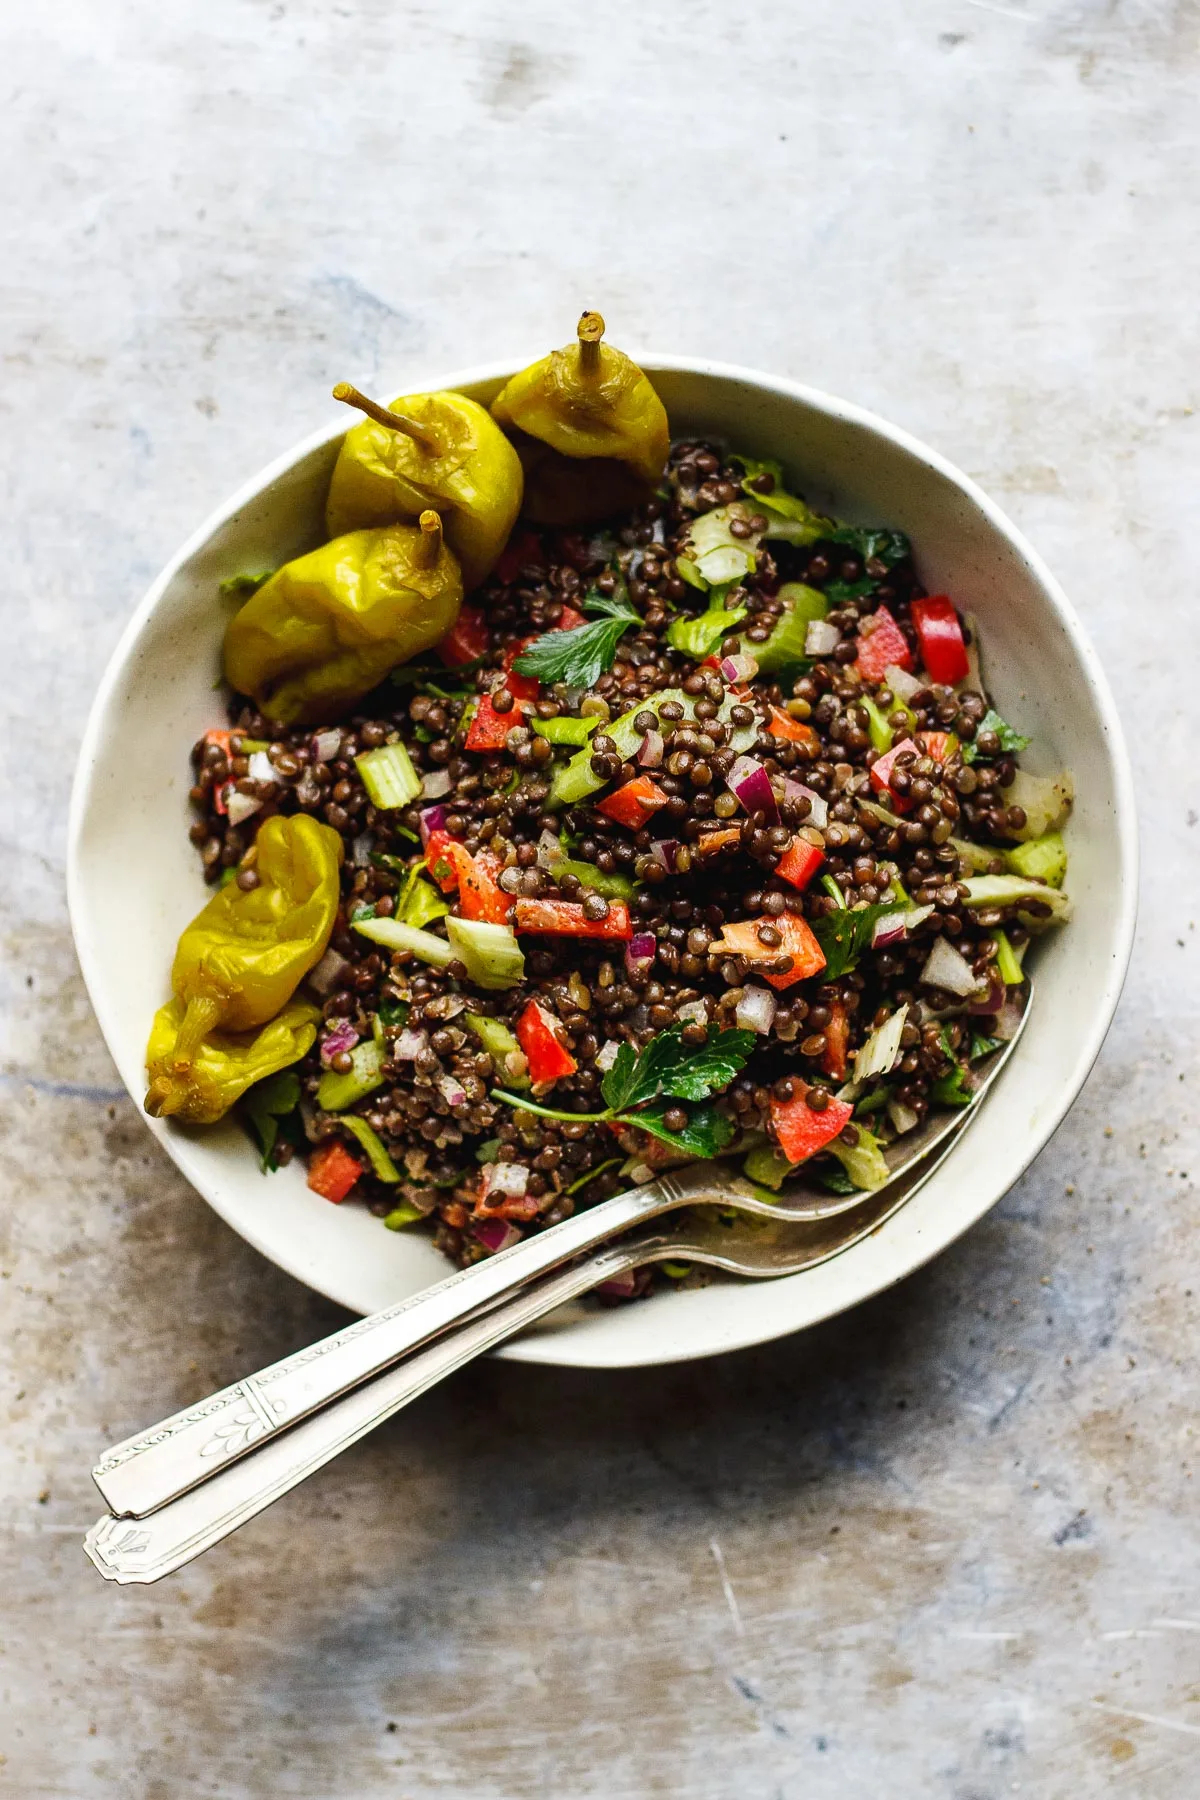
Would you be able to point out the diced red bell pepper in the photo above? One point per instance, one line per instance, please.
(539, 1035)
(521, 552)
(633, 805)
(939, 634)
(837, 1039)
(941, 745)
(800, 863)
(881, 643)
(802, 1132)
(222, 740)
(332, 1171)
(796, 941)
(566, 918)
(714, 841)
(521, 687)
(881, 774)
(440, 861)
(467, 638)
(569, 619)
(794, 730)
(489, 729)
(479, 894)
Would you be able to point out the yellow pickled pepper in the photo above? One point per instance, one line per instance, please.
(327, 627)
(592, 432)
(236, 968)
(437, 450)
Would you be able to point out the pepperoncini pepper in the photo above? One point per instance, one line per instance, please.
(237, 967)
(428, 450)
(326, 628)
(591, 431)
(225, 1064)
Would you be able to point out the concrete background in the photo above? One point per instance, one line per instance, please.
(946, 1546)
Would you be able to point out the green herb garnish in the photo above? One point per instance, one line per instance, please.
(580, 656)
(240, 587)
(666, 1070)
(982, 1046)
(1010, 740)
(845, 934)
(953, 1089)
(266, 1106)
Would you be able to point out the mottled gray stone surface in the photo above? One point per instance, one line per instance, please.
(946, 1546)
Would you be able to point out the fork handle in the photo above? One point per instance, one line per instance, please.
(144, 1550)
(144, 1472)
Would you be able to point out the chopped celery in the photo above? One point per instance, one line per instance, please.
(978, 857)
(877, 725)
(565, 730)
(690, 573)
(381, 1163)
(1010, 890)
(499, 1042)
(405, 1214)
(336, 1092)
(388, 776)
(698, 637)
(864, 1161)
(575, 780)
(1041, 859)
(394, 935)
(490, 952)
(801, 605)
(768, 1166)
(779, 501)
(713, 549)
(1010, 969)
(612, 886)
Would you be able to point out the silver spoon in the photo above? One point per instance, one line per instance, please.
(144, 1550)
(144, 1472)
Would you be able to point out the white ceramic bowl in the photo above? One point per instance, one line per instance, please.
(134, 881)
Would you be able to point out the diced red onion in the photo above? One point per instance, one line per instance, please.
(1008, 1019)
(821, 638)
(652, 749)
(495, 1234)
(324, 978)
(259, 767)
(893, 927)
(325, 745)
(506, 1178)
(452, 1090)
(664, 851)
(818, 806)
(640, 952)
(429, 820)
(992, 998)
(752, 785)
(360, 850)
(240, 806)
(641, 1173)
(902, 684)
(436, 784)
(342, 1037)
(606, 1056)
(410, 1044)
(756, 1009)
(694, 1012)
(739, 668)
(621, 1287)
(948, 969)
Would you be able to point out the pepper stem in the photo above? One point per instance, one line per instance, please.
(201, 1015)
(589, 331)
(384, 415)
(429, 544)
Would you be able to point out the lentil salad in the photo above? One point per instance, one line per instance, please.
(769, 882)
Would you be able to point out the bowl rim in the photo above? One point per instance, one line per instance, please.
(759, 1327)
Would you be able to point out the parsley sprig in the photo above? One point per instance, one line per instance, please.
(1010, 739)
(580, 656)
(641, 1086)
(844, 935)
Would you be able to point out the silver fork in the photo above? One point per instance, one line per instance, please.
(143, 1550)
(146, 1471)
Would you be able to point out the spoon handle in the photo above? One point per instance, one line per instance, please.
(144, 1550)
